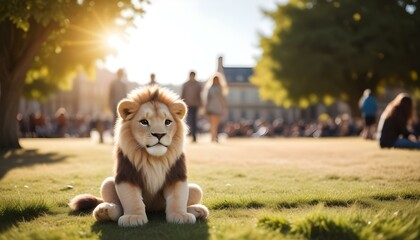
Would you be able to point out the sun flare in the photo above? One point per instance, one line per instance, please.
(114, 41)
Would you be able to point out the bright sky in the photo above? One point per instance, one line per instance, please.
(175, 37)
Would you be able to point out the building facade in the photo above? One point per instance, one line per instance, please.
(244, 99)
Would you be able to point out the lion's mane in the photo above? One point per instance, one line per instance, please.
(148, 166)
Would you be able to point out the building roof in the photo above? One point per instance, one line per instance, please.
(237, 74)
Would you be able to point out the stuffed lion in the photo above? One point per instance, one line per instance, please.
(150, 169)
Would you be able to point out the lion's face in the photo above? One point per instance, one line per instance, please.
(154, 127)
(152, 124)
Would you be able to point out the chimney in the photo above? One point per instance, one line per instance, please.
(220, 65)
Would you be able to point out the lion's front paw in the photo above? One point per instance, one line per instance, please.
(107, 211)
(180, 218)
(132, 220)
(198, 210)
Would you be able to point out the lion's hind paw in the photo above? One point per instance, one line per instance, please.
(107, 212)
(198, 210)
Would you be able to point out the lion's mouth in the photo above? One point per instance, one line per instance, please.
(159, 143)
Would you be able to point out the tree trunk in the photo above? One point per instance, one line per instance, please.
(9, 99)
(17, 52)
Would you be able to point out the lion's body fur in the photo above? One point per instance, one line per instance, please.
(149, 162)
(151, 167)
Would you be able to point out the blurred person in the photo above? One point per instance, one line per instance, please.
(21, 126)
(344, 126)
(44, 127)
(117, 91)
(416, 126)
(32, 125)
(61, 122)
(215, 95)
(80, 125)
(191, 94)
(392, 127)
(368, 107)
(278, 126)
(152, 80)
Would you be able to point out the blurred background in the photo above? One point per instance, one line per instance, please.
(294, 68)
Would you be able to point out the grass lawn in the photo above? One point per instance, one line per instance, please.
(338, 188)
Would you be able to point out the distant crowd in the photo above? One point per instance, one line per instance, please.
(61, 125)
(398, 126)
(340, 127)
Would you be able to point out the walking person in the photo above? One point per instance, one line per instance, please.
(368, 107)
(392, 127)
(191, 94)
(152, 80)
(216, 106)
(117, 91)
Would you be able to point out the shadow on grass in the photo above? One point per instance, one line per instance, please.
(26, 158)
(12, 212)
(156, 228)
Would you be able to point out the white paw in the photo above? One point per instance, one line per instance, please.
(132, 220)
(107, 211)
(181, 218)
(198, 210)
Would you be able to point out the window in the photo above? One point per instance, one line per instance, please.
(240, 78)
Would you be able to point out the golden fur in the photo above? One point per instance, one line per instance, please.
(129, 134)
(150, 164)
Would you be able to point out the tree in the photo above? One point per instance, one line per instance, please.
(44, 42)
(324, 50)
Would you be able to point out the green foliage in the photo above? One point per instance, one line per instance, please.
(39, 89)
(321, 51)
(76, 31)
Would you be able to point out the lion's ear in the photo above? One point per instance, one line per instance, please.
(127, 109)
(179, 108)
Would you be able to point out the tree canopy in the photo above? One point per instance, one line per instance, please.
(78, 31)
(324, 50)
(44, 42)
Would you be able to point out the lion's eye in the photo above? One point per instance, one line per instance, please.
(144, 122)
(168, 122)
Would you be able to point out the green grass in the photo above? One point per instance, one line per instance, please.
(255, 189)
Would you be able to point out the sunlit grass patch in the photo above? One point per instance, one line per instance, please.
(236, 204)
(15, 210)
(397, 225)
(321, 224)
(396, 196)
(287, 205)
(339, 203)
(343, 178)
(277, 191)
(277, 223)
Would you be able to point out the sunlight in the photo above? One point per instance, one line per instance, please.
(114, 41)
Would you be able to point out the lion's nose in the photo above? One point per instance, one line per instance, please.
(159, 135)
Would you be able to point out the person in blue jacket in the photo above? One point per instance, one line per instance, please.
(368, 107)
